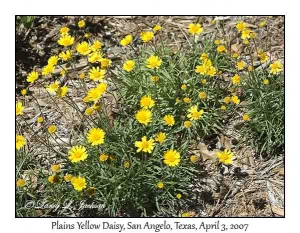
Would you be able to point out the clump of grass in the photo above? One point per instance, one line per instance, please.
(265, 104)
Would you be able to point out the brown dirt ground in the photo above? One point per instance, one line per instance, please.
(253, 187)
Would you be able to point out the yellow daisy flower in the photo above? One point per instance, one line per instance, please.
(241, 26)
(154, 79)
(89, 111)
(19, 108)
(236, 79)
(240, 65)
(21, 183)
(53, 179)
(20, 141)
(68, 177)
(183, 87)
(96, 73)
(221, 49)
(77, 153)
(81, 23)
(48, 69)
(23, 92)
(146, 36)
(129, 65)
(223, 108)
(266, 82)
(126, 164)
(65, 56)
(157, 28)
(143, 116)
(235, 99)
(40, 119)
(52, 61)
(96, 136)
(195, 29)
(187, 100)
(94, 94)
(246, 117)
(66, 40)
(105, 63)
(96, 46)
(144, 145)
(79, 183)
(160, 137)
(83, 48)
(95, 57)
(53, 87)
(187, 124)
(186, 215)
(194, 114)
(225, 156)
(56, 167)
(62, 91)
(202, 95)
(263, 56)
(193, 158)
(171, 158)
(32, 76)
(160, 185)
(169, 120)
(276, 67)
(52, 129)
(64, 30)
(227, 100)
(126, 40)
(153, 62)
(103, 157)
(147, 102)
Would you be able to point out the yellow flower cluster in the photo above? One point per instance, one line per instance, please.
(246, 33)
(206, 68)
(94, 94)
(234, 99)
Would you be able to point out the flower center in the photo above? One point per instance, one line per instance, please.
(225, 156)
(145, 145)
(196, 114)
(171, 158)
(77, 154)
(153, 63)
(96, 137)
(143, 117)
(80, 183)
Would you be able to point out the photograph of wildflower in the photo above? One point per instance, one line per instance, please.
(149, 116)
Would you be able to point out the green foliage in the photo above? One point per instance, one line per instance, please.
(27, 21)
(265, 104)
